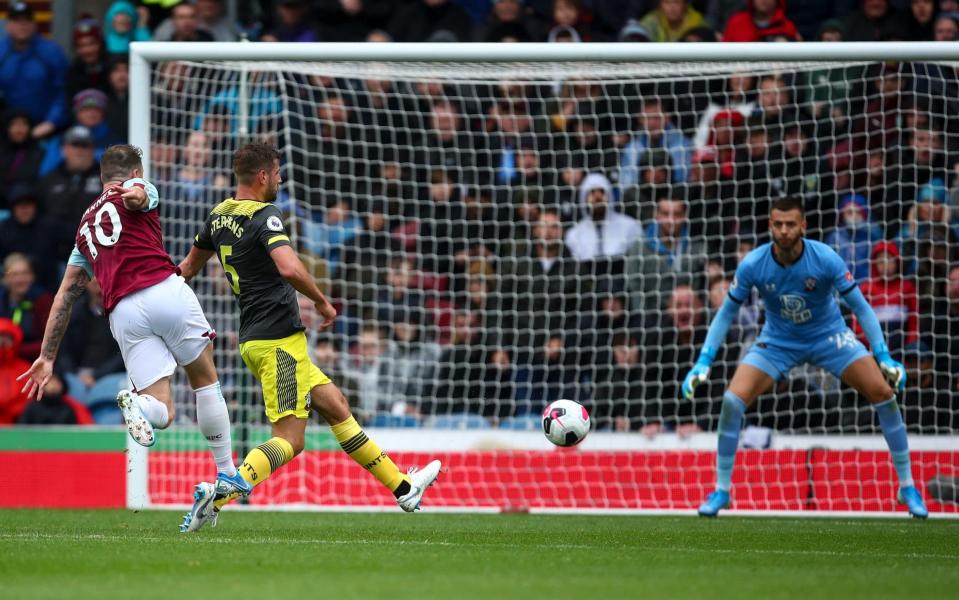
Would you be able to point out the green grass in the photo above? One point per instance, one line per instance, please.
(120, 554)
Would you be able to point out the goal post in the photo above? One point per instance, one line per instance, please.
(420, 185)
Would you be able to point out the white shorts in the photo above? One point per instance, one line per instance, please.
(158, 328)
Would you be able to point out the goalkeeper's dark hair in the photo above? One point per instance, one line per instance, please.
(786, 203)
(253, 158)
(119, 161)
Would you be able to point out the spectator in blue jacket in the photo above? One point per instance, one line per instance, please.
(121, 26)
(90, 111)
(32, 72)
(854, 235)
(656, 132)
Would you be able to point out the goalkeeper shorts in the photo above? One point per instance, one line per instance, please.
(833, 353)
(286, 374)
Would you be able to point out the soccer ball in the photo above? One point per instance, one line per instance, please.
(565, 422)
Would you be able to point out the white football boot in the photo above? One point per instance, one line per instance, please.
(141, 430)
(203, 510)
(420, 480)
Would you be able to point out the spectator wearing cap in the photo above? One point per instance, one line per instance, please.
(416, 21)
(66, 191)
(89, 68)
(185, 26)
(20, 154)
(761, 20)
(929, 403)
(671, 19)
(633, 31)
(509, 17)
(89, 111)
(854, 235)
(927, 219)
(870, 20)
(41, 239)
(32, 72)
(351, 20)
(210, 18)
(25, 302)
(121, 25)
(892, 297)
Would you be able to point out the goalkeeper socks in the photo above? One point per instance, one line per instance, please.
(214, 420)
(730, 422)
(155, 411)
(260, 463)
(365, 451)
(894, 430)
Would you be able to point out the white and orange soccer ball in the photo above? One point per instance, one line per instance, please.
(565, 423)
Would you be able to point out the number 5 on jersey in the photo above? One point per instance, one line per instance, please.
(231, 274)
(102, 238)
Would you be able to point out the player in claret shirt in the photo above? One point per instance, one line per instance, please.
(154, 315)
(797, 279)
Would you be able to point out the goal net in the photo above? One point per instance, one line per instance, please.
(499, 235)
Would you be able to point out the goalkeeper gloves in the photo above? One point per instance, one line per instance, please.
(894, 372)
(698, 374)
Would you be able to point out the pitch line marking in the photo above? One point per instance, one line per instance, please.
(194, 539)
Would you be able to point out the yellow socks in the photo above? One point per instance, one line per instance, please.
(369, 455)
(260, 463)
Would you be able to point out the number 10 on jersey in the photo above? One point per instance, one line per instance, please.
(103, 239)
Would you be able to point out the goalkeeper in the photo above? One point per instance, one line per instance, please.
(797, 279)
(248, 236)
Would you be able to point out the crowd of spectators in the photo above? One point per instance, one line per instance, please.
(494, 247)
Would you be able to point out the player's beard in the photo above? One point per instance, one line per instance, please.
(271, 191)
(786, 245)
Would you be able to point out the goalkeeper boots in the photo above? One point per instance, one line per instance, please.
(141, 430)
(419, 481)
(913, 500)
(714, 503)
(203, 511)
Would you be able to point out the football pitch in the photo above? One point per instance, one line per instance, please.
(121, 554)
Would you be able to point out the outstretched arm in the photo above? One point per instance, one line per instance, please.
(716, 335)
(194, 262)
(892, 369)
(74, 283)
(291, 269)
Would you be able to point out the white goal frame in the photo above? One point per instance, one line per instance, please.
(144, 55)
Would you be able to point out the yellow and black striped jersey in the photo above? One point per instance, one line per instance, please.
(242, 233)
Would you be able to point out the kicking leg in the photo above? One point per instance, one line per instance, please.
(408, 489)
(748, 383)
(865, 377)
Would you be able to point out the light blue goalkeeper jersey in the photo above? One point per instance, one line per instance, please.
(800, 300)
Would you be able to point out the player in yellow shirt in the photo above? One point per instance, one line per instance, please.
(248, 236)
